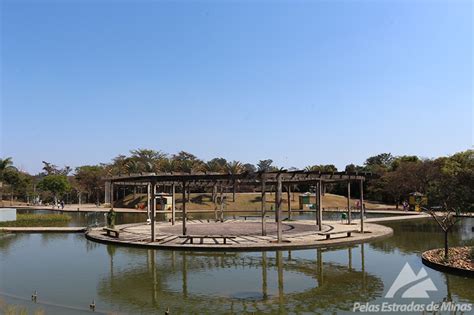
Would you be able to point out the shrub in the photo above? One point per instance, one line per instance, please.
(37, 220)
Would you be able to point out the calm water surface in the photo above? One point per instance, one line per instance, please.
(68, 272)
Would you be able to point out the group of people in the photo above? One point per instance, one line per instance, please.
(59, 205)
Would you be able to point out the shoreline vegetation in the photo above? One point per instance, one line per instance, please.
(38, 220)
(444, 182)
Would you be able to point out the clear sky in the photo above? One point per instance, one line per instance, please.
(300, 82)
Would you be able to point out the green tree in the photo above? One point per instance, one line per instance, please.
(383, 160)
(265, 165)
(5, 164)
(451, 181)
(88, 178)
(216, 165)
(57, 184)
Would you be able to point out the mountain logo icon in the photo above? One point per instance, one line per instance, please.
(411, 285)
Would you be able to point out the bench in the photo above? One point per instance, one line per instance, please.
(191, 238)
(329, 233)
(111, 231)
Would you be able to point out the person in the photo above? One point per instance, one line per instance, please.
(358, 204)
(405, 205)
(111, 218)
(62, 204)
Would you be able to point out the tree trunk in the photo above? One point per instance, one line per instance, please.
(234, 189)
(214, 193)
(446, 245)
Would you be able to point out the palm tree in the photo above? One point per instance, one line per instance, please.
(234, 167)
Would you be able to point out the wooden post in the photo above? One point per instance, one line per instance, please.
(288, 192)
(173, 203)
(320, 206)
(106, 192)
(214, 192)
(152, 210)
(278, 207)
(214, 200)
(184, 208)
(362, 212)
(148, 208)
(349, 213)
(222, 206)
(112, 195)
(264, 230)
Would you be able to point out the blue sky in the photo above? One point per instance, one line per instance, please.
(301, 82)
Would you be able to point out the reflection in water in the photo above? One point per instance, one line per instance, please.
(420, 235)
(68, 270)
(301, 284)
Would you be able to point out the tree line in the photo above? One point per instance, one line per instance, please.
(447, 181)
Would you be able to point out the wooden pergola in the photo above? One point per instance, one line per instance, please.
(263, 180)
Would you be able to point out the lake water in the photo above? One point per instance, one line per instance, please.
(69, 271)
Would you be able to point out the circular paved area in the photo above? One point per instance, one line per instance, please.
(237, 228)
(242, 235)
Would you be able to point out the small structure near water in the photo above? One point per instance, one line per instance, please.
(7, 214)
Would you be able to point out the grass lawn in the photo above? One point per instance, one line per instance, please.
(248, 201)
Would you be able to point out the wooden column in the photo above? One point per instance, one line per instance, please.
(184, 208)
(148, 207)
(278, 207)
(214, 192)
(319, 213)
(362, 212)
(106, 192)
(153, 209)
(222, 206)
(349, 213)
(264, 229)
(173, 203)
(112, 195)
(288, 192)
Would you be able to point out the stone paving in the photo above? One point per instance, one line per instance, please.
(245, 235)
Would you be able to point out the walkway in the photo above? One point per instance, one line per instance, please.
(245, 235)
